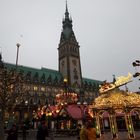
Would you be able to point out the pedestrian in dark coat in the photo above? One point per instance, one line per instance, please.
(13, 133)
(42, 132)
(24, 132)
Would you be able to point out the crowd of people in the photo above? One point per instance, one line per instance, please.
(86, 131)
(13, 133)
(42, 132)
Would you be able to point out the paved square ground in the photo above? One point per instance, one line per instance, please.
(106, 136)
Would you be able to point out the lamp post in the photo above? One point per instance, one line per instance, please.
(27, 105)
(18, 45)
(49, 116)
(65, 84)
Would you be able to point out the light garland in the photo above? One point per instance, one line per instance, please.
(116, 99)
(67, 97)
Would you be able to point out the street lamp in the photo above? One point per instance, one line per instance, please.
(65, 84)
(65, 80)
(49, 119)
(18, 45)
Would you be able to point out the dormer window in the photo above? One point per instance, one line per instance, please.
(28, 77)
(36, 77)
(43, 80)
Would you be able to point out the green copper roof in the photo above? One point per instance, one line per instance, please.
(33, 71)
(47, 72)
(92, 81)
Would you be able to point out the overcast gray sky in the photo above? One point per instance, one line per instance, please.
(108, 32)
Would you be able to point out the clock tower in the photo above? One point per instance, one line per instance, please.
(69, 54)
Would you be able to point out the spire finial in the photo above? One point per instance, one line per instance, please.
(66, 6)
(66, 13)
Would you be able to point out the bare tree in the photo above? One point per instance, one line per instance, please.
(136, 64)
(11, 92)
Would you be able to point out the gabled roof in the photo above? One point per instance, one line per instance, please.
(53, 109)
(74, 111)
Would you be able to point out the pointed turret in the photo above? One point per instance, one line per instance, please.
(67, 31)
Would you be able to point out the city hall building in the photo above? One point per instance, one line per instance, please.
(42, 85)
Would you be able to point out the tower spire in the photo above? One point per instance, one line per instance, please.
(66, 6)
(69, 56)
(66, 13)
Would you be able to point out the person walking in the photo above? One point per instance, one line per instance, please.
(13, 133)
(42, 132)
(24, 131)
(90, 131)
(83, 135)
(78, 131)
